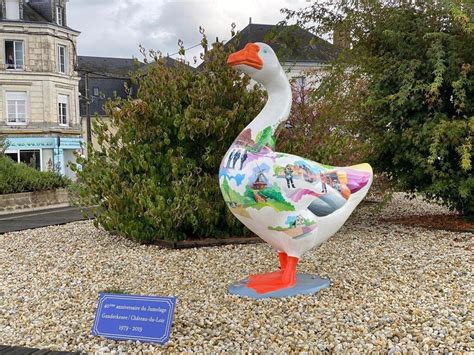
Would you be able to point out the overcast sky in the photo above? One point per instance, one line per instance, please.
(115, 28)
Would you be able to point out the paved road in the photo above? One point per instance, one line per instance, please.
(18, 350)
(41, 218)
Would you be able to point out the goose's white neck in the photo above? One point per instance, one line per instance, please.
(278, 106)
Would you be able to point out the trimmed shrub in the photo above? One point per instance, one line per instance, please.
(16, 177)
(156, 178)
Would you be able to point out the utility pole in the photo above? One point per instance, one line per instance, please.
(88, 111)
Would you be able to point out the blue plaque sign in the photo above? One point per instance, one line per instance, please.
(132, 317)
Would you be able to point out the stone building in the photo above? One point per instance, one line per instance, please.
(104, 78)
(299, 50)
(39, 85)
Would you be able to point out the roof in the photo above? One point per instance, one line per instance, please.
(108, 87)
(107, 65)
(291, 43)
(33, 16)
(109, 76)
(170, 62)
(116, 66)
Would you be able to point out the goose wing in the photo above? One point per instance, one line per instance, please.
(331, 187)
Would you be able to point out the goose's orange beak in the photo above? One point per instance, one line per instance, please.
(248, 56)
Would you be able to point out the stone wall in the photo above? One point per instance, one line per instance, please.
(33, 200)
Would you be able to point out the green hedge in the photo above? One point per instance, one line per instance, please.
(16, 177)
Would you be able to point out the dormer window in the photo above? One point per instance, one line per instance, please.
(12, 9)
(59, 16)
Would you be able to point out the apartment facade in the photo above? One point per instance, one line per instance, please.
(39, 85)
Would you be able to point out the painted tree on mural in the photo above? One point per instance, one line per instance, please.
(415, 60)
(156, 177)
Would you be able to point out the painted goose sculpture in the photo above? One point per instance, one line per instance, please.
(292, 203)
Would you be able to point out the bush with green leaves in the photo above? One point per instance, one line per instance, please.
(325, 130)
(16, 177)
(156, 177)
(416, 60)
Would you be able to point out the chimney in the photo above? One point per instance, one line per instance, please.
(250, 20)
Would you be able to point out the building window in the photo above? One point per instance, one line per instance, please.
(59, 16)
(62, 59)
(301, 82)
(12, 9)
(30, 157)
(63, 110)
(16, 107)
(95, 91)
(13, 156)
(14, 54)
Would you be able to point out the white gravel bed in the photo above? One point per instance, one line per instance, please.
(402, 206)
(394, 288)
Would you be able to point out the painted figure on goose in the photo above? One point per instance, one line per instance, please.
(292, 203)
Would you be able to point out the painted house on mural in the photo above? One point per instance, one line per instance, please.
(39, 105)
(298, 50)
(103, 78)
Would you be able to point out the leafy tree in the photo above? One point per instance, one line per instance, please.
(325, 127)
(157, 176)
(264, 138)
(415, 59)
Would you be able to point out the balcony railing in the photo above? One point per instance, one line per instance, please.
(17, 121)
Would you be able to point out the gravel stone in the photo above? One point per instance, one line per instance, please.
(394, 289)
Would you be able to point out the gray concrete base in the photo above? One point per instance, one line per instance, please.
(305, 285)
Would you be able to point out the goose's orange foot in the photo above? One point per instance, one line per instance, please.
(270, 276)
(277, 280)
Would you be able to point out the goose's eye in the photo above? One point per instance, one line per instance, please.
(265, 51)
